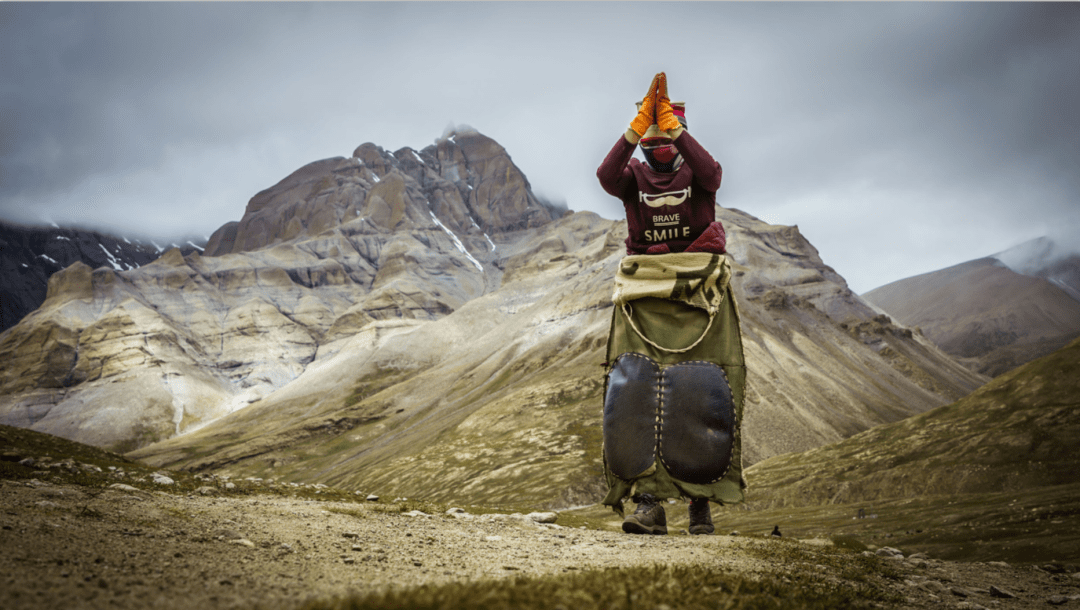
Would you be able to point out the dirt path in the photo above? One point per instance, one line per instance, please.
(65, 546)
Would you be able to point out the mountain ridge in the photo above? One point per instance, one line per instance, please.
(988, 315)
(30, 254)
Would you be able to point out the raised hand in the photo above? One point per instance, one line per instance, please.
(646, 115)
(665, 117)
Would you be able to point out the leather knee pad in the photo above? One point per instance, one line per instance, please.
(631, 408)
(697, 422)
(683, 412)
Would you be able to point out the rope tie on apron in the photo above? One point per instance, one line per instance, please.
(628, 312)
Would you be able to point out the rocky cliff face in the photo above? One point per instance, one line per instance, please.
(29, 255)
(464, 184)
(419, 323)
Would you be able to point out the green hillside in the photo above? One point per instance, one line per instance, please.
(995, 475)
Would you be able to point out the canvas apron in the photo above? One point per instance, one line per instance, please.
(673, 394)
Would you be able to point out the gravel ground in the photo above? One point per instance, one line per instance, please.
(65, 546)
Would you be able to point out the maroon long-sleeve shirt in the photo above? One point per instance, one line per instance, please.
(666, 212)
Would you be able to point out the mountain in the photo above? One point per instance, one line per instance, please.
(29, 255)
(993, 313)
(123, 358)
(419, 322)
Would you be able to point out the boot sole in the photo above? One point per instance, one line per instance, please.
(633, 527)
(699, 529)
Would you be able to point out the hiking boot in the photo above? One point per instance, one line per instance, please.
(700, 517)
(648, 518)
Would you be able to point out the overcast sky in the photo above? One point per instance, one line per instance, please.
(900, 137)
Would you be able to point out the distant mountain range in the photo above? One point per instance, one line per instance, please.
(994, 313)
(29, 255)
(419, 322)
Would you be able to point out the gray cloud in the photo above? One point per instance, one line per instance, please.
(901, 137)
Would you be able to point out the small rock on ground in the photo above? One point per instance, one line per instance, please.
(996, 591)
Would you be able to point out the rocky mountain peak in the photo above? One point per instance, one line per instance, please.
(465, 182)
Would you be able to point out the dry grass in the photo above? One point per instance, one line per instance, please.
(656, 587)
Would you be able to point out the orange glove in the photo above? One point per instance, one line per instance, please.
(665, 118)
(646, 116)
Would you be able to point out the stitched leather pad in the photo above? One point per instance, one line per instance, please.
(631, 405)
(697, 422)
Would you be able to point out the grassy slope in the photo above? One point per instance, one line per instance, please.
(995, 475)
(1040, 526)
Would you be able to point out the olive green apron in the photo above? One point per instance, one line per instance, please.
(678, 309)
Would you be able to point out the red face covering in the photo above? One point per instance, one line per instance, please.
(661, 154)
